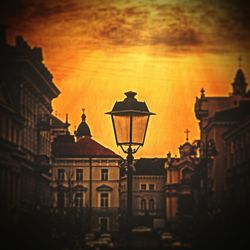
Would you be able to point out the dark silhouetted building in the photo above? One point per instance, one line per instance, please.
(215, 121)
(27, 90)
(222, 203)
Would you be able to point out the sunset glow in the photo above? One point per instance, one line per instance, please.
(166, 51)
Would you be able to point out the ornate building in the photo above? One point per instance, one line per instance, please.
(85, 179)
(178, 185)
(27, 90)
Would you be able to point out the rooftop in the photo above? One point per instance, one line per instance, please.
(150, 166)
(84, 147)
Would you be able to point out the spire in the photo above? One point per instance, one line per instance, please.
(202, 93)
(187, 132)
(83, 128)
(83, 115)
(240, 61)
(239, 84)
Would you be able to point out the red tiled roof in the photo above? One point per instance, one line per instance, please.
(85, 147)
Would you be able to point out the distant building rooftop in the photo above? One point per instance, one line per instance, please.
(84, 147)
(150, 166)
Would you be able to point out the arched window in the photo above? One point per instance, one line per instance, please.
(151, 205)
(143, 204)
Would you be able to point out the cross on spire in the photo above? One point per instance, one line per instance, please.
(83, 115)
(202, 93)
(240, 61)
(187, 132)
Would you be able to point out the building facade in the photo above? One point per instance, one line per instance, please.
(212, 128)
(179, 197)
(237, 142)
(27, 90)
(85, 179)
(148, 194)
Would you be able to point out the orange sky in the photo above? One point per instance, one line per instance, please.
(166, 51)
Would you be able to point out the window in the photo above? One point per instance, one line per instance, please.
(104, 200)
(79, 175)
(143, 204)
(151, 187)
(143, 186)
(79, 199)
(61, 173)
(151, 205)
(104, 174)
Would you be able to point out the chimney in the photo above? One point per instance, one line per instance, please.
(3, 35)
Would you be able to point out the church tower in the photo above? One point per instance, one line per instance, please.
(239, 84)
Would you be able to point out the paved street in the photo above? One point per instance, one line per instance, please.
(150, 241)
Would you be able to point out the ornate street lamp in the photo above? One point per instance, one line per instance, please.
(130, 121)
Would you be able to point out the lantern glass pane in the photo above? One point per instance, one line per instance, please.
(122, 128)
(139, 125)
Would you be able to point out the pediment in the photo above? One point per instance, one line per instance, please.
(104, 188)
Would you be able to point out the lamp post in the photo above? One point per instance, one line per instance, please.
(130, 121)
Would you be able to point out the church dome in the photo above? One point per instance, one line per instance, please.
(239, 84)
(240, 78)
(83, 128)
